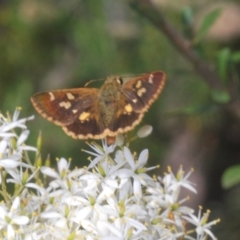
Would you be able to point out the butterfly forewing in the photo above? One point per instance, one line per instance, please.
(142, 91)
(64, 106)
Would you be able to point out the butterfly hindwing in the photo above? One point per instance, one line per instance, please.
(87, 125)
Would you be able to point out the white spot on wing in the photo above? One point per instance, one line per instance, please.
(139, 84)
(52, 97)
(84, 116)
(70, 96)
(150, 79)
(141, 91)
(66, 105)
(74, 110)
(128, 109)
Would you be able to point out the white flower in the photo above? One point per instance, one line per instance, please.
(11, 155)
(43, 196)
(12, 220)
(137, 171)
(12, 161)
(202, 226)
(100, 153)
(18, 176)
(62, 178)
(9, 124)
(21, 142)
(90, 207)
(181, 180)
(112, 199)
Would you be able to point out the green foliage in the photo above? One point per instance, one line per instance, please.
(235, 57)
(227, 61)
(187, 18)
(222, 63)
(207, 22)
(196, 109)
(231, 176)
(221, 96)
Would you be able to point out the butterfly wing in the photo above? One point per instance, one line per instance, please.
(79, 113)
(142, 91)
(138, 94)
(75, 110)
(125, 120)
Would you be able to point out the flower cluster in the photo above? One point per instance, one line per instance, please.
(112, 199)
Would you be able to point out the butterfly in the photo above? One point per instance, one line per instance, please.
(94, 113)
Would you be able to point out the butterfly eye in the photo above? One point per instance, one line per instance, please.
(120, 81)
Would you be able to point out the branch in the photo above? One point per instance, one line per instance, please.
(149, 11)
(154, 15)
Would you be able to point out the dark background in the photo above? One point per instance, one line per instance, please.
(49, 44)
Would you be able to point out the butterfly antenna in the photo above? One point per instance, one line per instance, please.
(94, 80)
(129, 76)
(102, 79)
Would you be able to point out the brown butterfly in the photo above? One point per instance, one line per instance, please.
(115, 108)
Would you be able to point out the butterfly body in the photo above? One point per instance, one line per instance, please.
(101, 113)
(109, 98)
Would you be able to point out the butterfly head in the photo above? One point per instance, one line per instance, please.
(111, 89)
(114, 80)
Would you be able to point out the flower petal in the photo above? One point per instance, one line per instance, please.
(20, 220)
(144, 131)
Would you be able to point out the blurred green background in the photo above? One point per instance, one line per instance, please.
(49, 44)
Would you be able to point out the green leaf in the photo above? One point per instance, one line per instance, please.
(222, 63)
(220, 96)
(187, 22)
(207, 22)
(231, 176)
(187, 16)
(235, 57)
